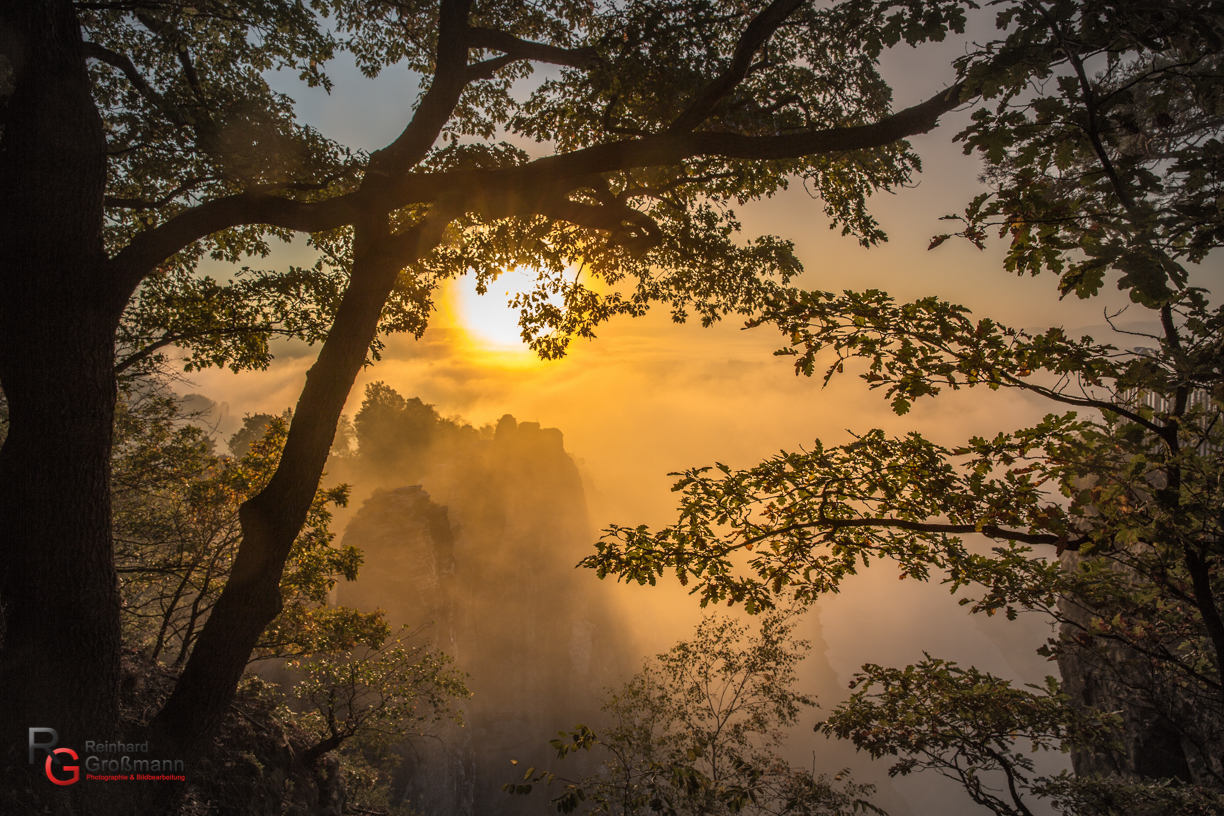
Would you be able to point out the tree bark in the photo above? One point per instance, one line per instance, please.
(59, 662)
(272, 519)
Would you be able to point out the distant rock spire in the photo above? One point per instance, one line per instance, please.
(487, 555)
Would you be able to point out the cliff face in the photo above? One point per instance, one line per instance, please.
(409, 557)
(485, 550)
(1168, 731)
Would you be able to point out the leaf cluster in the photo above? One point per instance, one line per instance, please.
(372, 699)
(1102, 145)
(965, 724)
(1106, 519)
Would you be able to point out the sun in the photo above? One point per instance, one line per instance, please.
(489, 324)
(488, 318)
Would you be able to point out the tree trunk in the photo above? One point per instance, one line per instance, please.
(315, 752)
(272, 519)
(59, 662)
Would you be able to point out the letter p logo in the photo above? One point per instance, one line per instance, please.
(45, 746)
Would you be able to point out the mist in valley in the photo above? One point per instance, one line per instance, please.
(470, 534)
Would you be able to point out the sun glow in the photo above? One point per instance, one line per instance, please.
(489, 317)
(489, 324)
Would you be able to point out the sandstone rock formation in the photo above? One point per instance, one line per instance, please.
(484, 552)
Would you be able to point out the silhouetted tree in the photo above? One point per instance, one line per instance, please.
(697, 731)
(370, 700)
(254, 426)
(177, 531)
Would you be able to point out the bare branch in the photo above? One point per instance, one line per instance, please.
(487, 68)
(153, 204)
(672, 147)
(121, 61)
(172, 338)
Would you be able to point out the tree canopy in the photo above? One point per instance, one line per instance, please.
(656, 117)
(699, 731)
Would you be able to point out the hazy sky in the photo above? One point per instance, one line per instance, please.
(648, 397)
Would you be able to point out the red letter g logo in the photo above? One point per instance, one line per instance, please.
(76, 771)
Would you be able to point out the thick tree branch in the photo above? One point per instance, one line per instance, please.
(153, 247)
(331, 743)
(988, 530)
(272, 519)
(1010, 771)
(494, 40)
(449, 79)
(570, 169)
(1205, 599)
(612, 216)
(192, 76)
(1083, 402)
(1088, 97)
(627, 227)
(201, 123)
